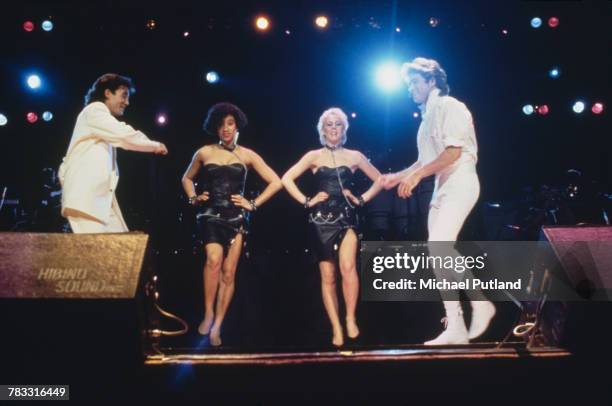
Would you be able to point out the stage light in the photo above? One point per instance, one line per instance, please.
(578, 107)
(554, 73)
(354, 115)
(287, 32)
(212, 77)
(32, 117)
(536, 22)
(321, 21)
(415, 114)
(3, 120)
(553, 22)
(397, 29)
(597, 108)
(433, 22)
(504, 32)
(34, 81)
(28, 26)
(186, 34)
(262, 23)
(388, 76)
(47, 116)
(528, 109)
(161, 119)
(543, 110)
(151, 24)
(47, 25)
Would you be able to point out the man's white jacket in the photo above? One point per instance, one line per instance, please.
(89, 173)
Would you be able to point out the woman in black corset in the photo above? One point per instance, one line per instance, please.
(332, 214)
(222, 217)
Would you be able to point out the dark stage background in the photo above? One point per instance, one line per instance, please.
(283, 83)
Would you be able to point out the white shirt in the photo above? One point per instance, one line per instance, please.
(446, 123)
(89, 173)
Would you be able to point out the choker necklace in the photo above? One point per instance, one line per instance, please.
(227, 147)
(333, 148)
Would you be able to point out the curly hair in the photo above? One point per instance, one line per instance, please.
(216, 114)
(338, 112)
(429, 69)
(110, 81)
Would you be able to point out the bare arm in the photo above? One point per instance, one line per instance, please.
(443, 161)
(267, 174)
(409, 170)
(372, 173)
(391, 180)
(293, 173)
(190, 173)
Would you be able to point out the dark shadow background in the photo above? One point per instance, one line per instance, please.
(283, 83)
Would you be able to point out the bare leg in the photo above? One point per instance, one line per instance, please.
(347, 257)
(330, 299)
(226, 288)
(212, 268)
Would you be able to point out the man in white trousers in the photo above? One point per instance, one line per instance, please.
(447, 147)
(89, 173)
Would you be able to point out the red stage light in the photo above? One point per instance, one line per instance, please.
(28, 26)
(32, 117)
(543, 109)
(553, 22)
(597, 108)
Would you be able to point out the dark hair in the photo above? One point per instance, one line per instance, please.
(216, 114)
(110, 81)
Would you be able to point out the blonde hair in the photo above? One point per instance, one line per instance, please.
(337, 111)
(429, 69)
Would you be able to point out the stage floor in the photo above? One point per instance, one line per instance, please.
(491, 350)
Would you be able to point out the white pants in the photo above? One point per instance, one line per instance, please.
(453, 199)
(84, 225)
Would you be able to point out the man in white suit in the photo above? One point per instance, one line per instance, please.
(89, 173)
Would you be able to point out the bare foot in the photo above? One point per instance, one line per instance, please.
(215, 337)
(351, 328)
(205, 325)
(338, 339)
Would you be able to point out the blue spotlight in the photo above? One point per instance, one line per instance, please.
(34, 81)
(578, 107)
(388, 76)
(528, 109)
(536, 22)
(47, 116)
(212, 77)
(47, 25)
(3, 120)
(554, 73)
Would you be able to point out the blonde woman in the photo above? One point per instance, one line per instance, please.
(332, 214)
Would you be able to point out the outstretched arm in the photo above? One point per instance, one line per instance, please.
(119, 134)
(391, 180)
(444, 160)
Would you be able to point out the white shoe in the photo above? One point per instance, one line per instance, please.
(456, 332)
(482, 314)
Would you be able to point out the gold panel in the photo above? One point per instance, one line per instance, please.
(84, 266)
